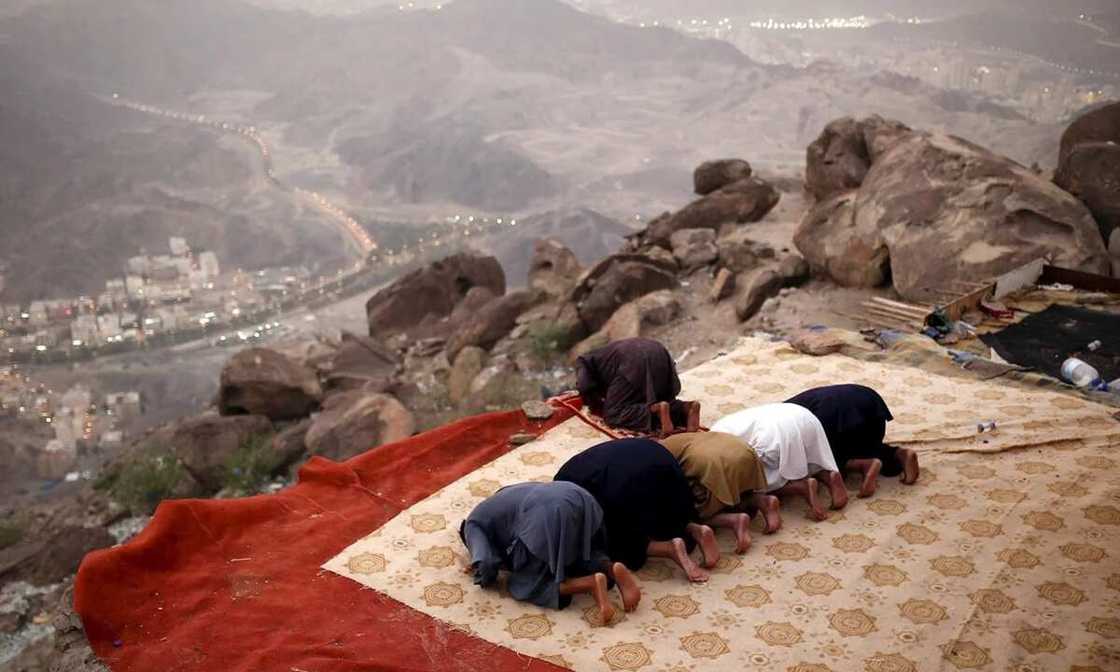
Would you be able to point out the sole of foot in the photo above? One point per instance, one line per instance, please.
(627, 586)
(910, 470)
(870, 479)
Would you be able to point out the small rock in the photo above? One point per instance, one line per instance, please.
(694, 248)
(537, 410)
(816, 342)
(522, 439)
(723, 286)
(760, 287)
(713, 175)
(794, 270)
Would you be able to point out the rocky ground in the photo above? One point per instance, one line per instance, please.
(884, 210)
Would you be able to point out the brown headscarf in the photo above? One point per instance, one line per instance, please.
(723, 464)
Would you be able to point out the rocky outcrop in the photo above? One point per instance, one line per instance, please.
(1089, 165)
(554, 269)
(794, 270)
(828, 238)
(714, 175)
(52, 559)
(290, 445)
(467, 365)
(259, 381)
(739, 252)
(639, 316)
(740, 202)
(840, 158)
(362, 362)
(616, 281)
(694, 248)
(493, 322)
(761, 285)
(419, 303)
(1114, 252)
(204, 445)
(939, 209)
(354, 422)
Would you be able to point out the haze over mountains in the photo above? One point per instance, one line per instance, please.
(485, 106)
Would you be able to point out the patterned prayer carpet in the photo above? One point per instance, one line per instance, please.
(1002, 557)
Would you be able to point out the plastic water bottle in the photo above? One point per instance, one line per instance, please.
(1082, 375)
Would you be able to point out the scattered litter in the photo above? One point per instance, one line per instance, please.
(1082, 375)
(685, 354)
(1057, 287)
(987, 426)
(1094, 346)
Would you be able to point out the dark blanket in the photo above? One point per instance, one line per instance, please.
(619, 381)
(1044, 340)
(644, 494)
(855, 421)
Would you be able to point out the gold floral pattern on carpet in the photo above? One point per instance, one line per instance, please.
(1002, 557)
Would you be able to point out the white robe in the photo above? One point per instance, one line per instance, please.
(789, 440)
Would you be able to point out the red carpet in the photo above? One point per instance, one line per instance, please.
(235, 585)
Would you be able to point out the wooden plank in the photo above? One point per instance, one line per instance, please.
(968, 303)
(914, 307)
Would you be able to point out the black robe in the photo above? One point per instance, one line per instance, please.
(855, 421)
(621, 380)
(643, 491)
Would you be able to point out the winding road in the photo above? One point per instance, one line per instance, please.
(360, 240)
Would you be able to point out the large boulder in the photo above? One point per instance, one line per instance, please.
(944, 210)
(740, 202)
(1089, 164)
(420, 301)
(694, 248)
(493, 322)
(639, 316)
(616, 281)
(834, 247)
(840, 158)
(1114, 252)
(259, 381)
(362, 362)
(1101, 124)
(354, 422)
(204, 445)
(712, 175)
(1091, 172)
(554, 268)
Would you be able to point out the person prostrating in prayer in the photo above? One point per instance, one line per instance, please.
(633, 385)
(551, 539)
(855, 420)
(794, 451)
(727, 480)
(647, 504)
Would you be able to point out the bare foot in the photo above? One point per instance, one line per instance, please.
(771, 510)
(910, 471)
(706, 539)
(835, 482)
(813, 497)
(606, 609)
(627, 586)
(870, 478)
(693, 423)
(742, 533)
(694, 572)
